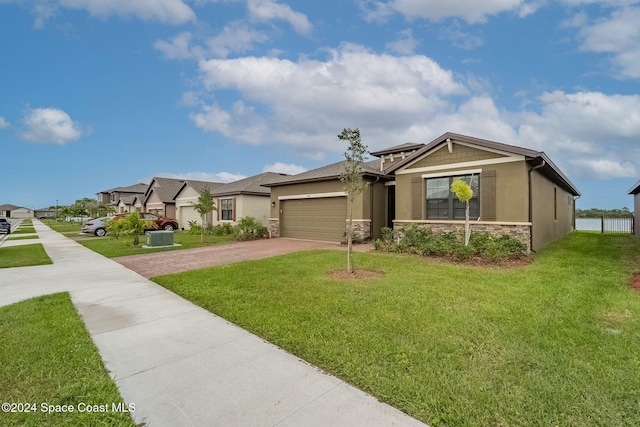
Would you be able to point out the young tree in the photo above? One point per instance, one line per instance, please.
(464, 193)
(131, 225)
(351, 176)
(203, 207)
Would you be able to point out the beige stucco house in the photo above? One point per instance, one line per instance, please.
(187, 196)
(517, 191)
(13, 211)
(159, 197)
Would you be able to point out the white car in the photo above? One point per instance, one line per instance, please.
(97, 226)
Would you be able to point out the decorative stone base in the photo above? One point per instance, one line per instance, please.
(361, 229)
(520, 231)
(274, 227)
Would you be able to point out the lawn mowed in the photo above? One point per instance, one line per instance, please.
(47, 357)
(23, 255)
(553, 343)
(112, 247)
(24, 230)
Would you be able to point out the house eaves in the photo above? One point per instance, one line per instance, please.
(534, 158)
(331, 172)
(198, 186)
(635, 189)
(254, 185)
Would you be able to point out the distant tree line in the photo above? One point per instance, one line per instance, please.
(83, 207)
(597, 213)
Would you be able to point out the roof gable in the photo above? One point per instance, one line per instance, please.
(255, 185)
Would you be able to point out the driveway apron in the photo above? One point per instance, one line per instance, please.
(181, 365)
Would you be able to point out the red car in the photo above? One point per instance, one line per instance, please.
(168, 224)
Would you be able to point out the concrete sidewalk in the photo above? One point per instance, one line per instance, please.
(181, 365)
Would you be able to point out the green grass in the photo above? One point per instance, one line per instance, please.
(47, 357)
(63, 227)
(112, 247)
(24, 230)
(21, 237)
(555, 343)
(23, 255)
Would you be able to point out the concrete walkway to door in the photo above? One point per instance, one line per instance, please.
(181, 365)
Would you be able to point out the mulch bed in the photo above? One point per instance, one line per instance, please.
(635, 283)
(356, 275)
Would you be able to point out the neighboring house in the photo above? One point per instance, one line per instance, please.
(187, 196)
(125, 204)
(158, 198)
(112, 196)
(45, 213)
(635, 191)
(13, 211)
(517, 191)
(245, 197)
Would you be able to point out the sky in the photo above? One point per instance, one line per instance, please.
(97, 94)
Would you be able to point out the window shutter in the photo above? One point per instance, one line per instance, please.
(417, 199)
(219, 209)
(488, 195)
(233, 212)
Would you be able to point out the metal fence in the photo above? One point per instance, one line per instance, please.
(622, 225)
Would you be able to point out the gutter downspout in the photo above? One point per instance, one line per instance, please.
(531, 202)
(371, 204)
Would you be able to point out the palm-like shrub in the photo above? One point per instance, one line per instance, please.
(130, 226)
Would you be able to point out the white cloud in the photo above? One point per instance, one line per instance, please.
(306, 103)
(201, 176)
(405, 44)
(287, 168)
(178, 48)
(268, 10)
(618, 35)
(435, 10)
(3, 123)
(50, 125)
(235, 38)
(605, 168)
(172, 12)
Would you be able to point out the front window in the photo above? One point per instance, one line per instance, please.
(442, 203)
(226, 209)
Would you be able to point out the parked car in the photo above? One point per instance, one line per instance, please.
(168, 224)
(97, 226)
(5, 226)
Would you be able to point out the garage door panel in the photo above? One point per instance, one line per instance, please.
(319, 219)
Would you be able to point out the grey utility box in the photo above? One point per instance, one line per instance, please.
(160, 238)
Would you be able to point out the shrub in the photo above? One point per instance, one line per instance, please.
(416, 240)
(249, 228)
(223, 229)
(387, 241)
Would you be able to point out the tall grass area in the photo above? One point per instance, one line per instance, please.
(47, 357)
(555, 343)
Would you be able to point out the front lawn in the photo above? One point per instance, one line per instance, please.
(48, 360)
(112, 247)
(22, 237)
(24, 230)
(63, 227)
(23, 255)
(553, 343)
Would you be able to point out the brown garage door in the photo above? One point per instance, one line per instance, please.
(316, 219)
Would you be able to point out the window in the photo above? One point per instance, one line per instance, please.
(443, 204)
(226, 209)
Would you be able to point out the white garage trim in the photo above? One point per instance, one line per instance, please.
(313, 196)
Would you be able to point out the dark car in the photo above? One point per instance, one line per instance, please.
(168, 224)
(5, 226)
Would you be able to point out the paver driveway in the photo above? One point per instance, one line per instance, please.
(159, 263)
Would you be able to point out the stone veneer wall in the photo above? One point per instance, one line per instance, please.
(362, 229)
(520, 231)
(274, 227)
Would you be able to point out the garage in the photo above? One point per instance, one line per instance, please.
(186, 214)
(316, 218)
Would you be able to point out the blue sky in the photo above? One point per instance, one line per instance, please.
(96, 94)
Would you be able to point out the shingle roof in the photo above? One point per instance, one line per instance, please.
(406, 147)
(198, 186)
(135, 188)
(165, 188)
(10, 207)
(332, 171)
(534, 157)
(256, 185)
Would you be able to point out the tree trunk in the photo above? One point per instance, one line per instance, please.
(467, 226)
(350, 237)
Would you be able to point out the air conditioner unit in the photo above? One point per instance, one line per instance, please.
(160, 238)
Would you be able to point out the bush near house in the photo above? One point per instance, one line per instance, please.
(248, 228)
(421, 241)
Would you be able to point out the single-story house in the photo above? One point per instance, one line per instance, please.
(13, 211)
(517, 191)
(187, 196)
(45, 213)
(245, 197)
(635, 191)
(113, 195)
(158, 198)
